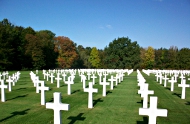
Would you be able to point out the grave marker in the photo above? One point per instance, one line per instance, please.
(43, 88)
(9, 83)
(165, 80)
(69, 82)
(93, 78)
(58, 79)
(111, 82)
(52, 76)
(183, 86)
(57, 106)
(90, 91)
(104, 83)
(172, 81)
(153, 111)
(144, 93)
(3, 86)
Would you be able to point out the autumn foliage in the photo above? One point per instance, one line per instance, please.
(67, 51)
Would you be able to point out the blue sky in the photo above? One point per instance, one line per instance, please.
(96, 23)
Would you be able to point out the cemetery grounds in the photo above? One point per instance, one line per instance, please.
(120, 106)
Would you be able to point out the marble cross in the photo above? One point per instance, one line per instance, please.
(90, 91)
(183, 86)
(2, 87)
(57, 106)
(153, 111)
(144, 93)
(43, 88)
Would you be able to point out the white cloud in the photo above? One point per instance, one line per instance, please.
(101, 27)
(109, 26)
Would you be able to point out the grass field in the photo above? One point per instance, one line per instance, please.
(120, 106)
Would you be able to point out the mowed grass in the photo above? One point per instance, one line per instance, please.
(120, 106)
(178, 109)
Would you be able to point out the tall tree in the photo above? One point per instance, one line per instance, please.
(122, 53)
(94, 58)
(183, 58)
(67, 51)
(47, 39)
(142, 56)
(6, 41)
(149, 57)
(34, 49)
(172, 57)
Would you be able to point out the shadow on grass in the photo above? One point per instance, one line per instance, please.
(21, 89)
(22, 83)
(96, 101)
(145, 121)
(52, 99)
(75, 91)
(177, 94)
(63, 85)
(168, 88)
(187, 103)
(107, 92)
(15, 114)
(21, 96)
(87, 86)
(141, 102)
(114, 86)
(76, 118)
(50, 89)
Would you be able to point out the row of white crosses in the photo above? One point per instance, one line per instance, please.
(173, 79)
(152, 111)
(57, 105)
(41, 87)
(11, 80)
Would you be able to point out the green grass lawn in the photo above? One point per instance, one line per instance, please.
(120, 106)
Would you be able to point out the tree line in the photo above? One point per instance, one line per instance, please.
(26, 49)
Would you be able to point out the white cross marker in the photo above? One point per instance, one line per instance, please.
(51, 76)
(161, 78)
(93, 78)
(90, 91)
(57, 106)
(69, 82)
(111, 82)
(83, 78)
(43, 88)
(47, 76)
(105, 74)
(64, 75)
(88, 75)
(100, 77)
(58, 79)
(104, 83)
(3, 86)
(144, 93)
(183, 85)
(172, 81)
(153, 111)
(165, 80)
(9, 82)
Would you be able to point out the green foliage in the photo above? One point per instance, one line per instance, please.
(183, 58)
(122, 53)
(94, 58)
(24, 48)
(148, 57)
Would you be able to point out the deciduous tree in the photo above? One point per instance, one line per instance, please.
(94, 58)
(67, 51)
(122, 53)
